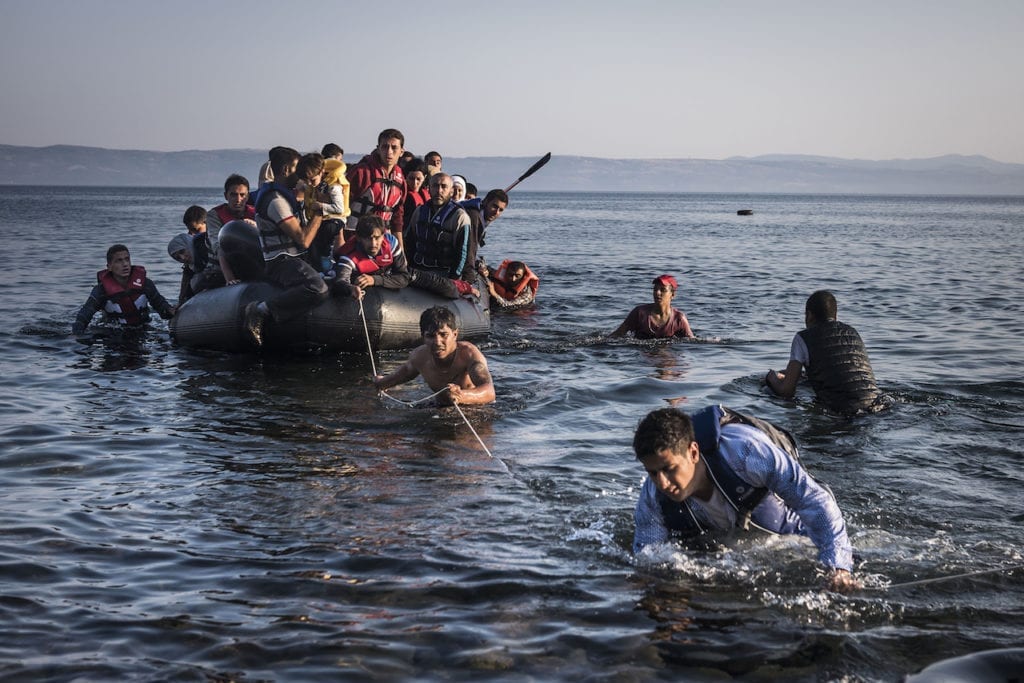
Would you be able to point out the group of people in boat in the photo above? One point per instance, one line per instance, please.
(324, 229)
(392, 220)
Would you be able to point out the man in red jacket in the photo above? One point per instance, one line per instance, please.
(378, 185)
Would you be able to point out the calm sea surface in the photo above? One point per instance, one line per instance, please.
(192, 516)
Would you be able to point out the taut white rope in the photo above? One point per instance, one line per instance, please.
(369, 346)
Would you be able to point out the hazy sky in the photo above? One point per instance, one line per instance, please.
(630, 79)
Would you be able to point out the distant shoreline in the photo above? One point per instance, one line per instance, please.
(952, 175)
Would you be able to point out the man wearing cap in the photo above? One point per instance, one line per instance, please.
(658, 320)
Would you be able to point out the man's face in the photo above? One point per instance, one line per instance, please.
(120, 265)
(182, 256)
(289, 169)
(197, 227)
(442, 342)
(372, 244)
(493, 209)
(674, 472)
(434, 161)
(516, 275)
(440, 189)
(237, 196)
(390, 151)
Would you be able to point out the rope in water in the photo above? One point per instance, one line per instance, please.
(951, 577)
(918, 582)
(369, 348)
(369, 345)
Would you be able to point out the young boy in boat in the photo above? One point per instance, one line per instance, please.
(123, 293)
(445, 362)
(370, 258)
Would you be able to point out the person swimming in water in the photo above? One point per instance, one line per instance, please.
(445, 363)
(657, 320)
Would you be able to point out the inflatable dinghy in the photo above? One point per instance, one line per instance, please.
(212, 319)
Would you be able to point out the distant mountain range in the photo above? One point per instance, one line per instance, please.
(952, 174)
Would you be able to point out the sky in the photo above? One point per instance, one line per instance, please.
(642, 79)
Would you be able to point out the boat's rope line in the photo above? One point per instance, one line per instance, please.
(369, 348)
(951, 577)
(369, 345)
(413, 404)
(918, 582)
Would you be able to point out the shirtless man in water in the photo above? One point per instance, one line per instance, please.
(445, 362)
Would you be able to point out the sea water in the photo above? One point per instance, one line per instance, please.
(171, 514)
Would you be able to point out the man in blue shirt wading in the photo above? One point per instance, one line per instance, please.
(721, 470)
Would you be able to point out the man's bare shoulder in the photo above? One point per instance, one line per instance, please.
(419, 355)
(470, 351)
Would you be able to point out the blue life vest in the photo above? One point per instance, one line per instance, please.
(273, 240)
(753, 505)
(436, 242)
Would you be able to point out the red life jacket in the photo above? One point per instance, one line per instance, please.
(505, 289)
(225, 215)
(383, 195)
(361, 262)
(126, 303)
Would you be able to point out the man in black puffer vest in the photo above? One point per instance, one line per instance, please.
(836, 361)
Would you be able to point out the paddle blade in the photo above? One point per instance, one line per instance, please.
(530, 171)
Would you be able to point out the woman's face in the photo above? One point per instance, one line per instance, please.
(661, 291)
(415, 180)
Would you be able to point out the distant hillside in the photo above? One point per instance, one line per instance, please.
(968, 175)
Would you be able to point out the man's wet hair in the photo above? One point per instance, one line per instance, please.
(415, 164)
(389, 133)
(497, 193)
(822, 305)
(436, 317)
(280, 158)
(331, 150)
(115, 249)
(663, 429)
(235, 179)
(367, 224)
(193, 214)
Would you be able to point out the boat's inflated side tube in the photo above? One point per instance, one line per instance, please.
(239, 243)
(989, 666)
(392, 319)
(212, 319)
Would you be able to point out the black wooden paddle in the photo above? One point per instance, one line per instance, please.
(530, 171)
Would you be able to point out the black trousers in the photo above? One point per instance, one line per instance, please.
(303, 286)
